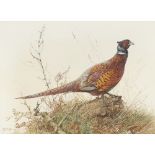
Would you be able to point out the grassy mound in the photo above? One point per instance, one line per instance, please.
(102, 115)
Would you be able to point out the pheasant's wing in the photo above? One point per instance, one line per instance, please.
(90, 77)
(101, 77)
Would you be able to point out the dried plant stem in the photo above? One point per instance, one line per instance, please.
(37, 56)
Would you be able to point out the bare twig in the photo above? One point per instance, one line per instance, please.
(38, 57)
(28, 107)
(36, 109)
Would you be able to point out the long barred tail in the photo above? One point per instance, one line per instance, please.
(70, 87)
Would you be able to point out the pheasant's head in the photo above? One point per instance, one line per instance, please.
(124, 45)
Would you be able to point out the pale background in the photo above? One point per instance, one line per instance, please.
(77, 10)
(97, 39)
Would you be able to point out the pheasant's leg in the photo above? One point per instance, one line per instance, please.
(104, 100)
(104, 108)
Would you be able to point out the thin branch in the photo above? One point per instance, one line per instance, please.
(37, 56)
(28, 107)
(36, 109)
(34, 57)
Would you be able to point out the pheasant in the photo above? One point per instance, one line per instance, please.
(97, 80)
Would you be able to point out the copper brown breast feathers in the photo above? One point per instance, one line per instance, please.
(99, 79)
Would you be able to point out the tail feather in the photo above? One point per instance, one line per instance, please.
(70, 87)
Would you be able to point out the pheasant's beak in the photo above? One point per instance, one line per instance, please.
(131, 43)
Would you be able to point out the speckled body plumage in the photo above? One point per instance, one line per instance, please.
(103, 77)
(97, 80)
